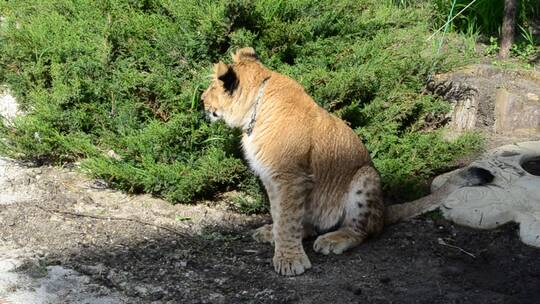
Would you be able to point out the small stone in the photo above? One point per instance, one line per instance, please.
(99, 184)
(265, 294)
(182, 263)
(141, 291)
(113, 154)
(216, 298)
(533, 97)
(95, 270)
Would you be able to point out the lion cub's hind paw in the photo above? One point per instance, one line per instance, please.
(335, 242)
(263, 234)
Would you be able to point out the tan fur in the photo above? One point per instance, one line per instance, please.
(318, 175)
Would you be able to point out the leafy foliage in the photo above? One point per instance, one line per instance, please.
(126, 76)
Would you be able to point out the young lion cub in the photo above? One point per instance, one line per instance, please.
(318, 174)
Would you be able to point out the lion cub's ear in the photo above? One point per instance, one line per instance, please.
(247, 53)
(220, 69)
(226, 75)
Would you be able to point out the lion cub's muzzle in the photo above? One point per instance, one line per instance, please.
(212, 115)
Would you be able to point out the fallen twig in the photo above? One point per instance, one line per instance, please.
(112, 218)
(442, 242)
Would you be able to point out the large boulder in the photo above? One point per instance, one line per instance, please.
(504, 103)
(512, 195)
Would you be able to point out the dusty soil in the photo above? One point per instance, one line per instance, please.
(139, 249)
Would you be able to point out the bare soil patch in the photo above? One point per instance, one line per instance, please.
(140, 249)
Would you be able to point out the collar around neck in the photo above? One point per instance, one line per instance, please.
(258, 98)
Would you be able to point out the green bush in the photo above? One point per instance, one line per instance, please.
(126, 76)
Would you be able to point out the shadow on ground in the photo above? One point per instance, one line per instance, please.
(407, 264)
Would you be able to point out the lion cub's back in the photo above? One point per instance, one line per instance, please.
(330, 144)
(335, 145)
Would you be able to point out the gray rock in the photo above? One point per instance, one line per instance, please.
(510, 194)
(501, 102)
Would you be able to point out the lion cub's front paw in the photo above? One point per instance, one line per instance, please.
(291, 264)
(263, 234)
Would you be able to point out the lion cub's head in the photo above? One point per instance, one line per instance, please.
(228, 96)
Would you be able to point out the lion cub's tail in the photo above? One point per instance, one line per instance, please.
(470, 176)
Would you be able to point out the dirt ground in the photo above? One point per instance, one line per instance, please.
(139, 249)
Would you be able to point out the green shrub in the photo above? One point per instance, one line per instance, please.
(127, 75)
